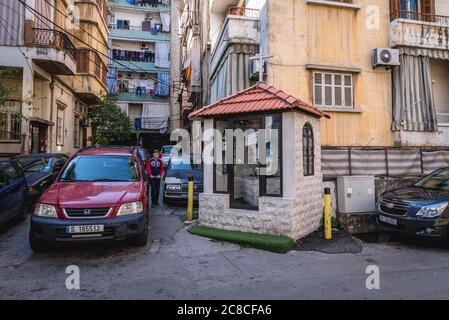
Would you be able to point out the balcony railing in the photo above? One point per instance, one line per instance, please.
(154, 30)
(420, 16)
(53, 38)
(244, 12)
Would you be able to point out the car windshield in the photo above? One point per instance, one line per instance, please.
(438, 180)
(101, 169)
(167, 150)
(185, 165)
(34, 164)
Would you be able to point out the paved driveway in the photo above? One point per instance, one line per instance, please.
(177, 265)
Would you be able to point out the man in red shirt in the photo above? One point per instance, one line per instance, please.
(155, 169)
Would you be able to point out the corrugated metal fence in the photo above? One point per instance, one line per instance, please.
(393, 162)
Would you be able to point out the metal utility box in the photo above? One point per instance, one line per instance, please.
(356, 194)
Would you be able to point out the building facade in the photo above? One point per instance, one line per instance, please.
(144, 66)
(385, 120)
(51, 48)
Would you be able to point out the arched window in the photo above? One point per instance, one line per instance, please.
(308, 150)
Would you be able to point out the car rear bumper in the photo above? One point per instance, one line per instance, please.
(426, 228)
(115, 229)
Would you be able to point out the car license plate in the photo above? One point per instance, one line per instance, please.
(85, 229)
(388, 220)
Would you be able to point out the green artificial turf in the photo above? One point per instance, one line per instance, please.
(278, 244)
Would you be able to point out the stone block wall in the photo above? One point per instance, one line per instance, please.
(275, 215)
(309, 189)
(297, 213)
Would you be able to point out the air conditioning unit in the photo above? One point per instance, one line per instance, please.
(254, 69)
(385, 57)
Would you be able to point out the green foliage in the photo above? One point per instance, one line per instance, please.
(278, 244)
(7, 77)
(110, 125)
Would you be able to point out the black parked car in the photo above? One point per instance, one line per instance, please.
(421, 210)
(176, 179)
(40, 170)
(13, 192)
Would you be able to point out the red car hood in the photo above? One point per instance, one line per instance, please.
(91, 194)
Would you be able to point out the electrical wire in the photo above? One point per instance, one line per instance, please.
(35, 13)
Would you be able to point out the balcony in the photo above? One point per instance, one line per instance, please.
(420, 30)
(240, 26)
(50, 49)
(131, 96)
(137, 66)
(137, 33)
(124, 4)
(89, 87)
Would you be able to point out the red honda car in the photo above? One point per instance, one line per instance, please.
(99, 195)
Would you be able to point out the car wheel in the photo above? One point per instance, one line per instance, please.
(141, 239)
(37, 245)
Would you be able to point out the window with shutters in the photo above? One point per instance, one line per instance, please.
(60, 126)
(422, 10)
(98, 63)
(76, 132)
(82, 60)
(333, 90)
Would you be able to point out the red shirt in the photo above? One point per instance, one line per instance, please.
(155, 167)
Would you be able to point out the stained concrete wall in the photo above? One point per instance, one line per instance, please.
(334, 36)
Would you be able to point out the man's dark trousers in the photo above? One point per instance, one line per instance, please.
(155, 187)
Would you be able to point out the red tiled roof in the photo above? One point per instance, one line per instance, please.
(258, 98)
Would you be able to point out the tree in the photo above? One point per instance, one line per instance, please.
(7, 87)
(109, 123)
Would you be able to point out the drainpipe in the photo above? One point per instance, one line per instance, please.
(52, 96)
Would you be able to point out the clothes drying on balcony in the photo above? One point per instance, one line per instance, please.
(165, 19)
(162, 54)
(111, 81)
(137, 56)
(163, 84)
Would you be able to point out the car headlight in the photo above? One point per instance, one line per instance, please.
(130, 208)
(173, 187)
(432, 211)
(45, 210)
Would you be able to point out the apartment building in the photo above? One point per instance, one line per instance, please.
(387, 119)
(143, 57)
(55, 78)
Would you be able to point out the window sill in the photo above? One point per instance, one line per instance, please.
(338, 68)
(334, 4)
(342, 110)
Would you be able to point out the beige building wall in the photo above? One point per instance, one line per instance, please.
(334, 37)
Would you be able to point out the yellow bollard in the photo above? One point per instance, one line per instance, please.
(327, 214)
(190, 199)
